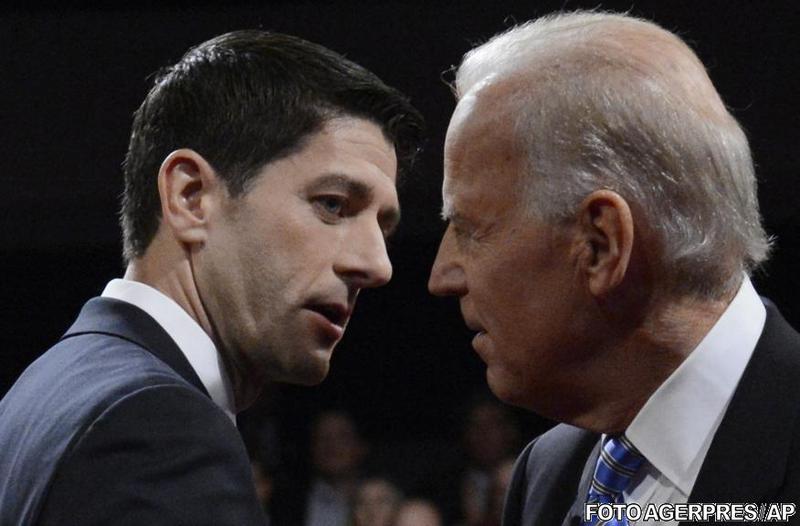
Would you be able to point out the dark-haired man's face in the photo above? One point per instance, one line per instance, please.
(283, 264)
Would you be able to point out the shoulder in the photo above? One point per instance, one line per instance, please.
(768, 381)
(764, 409)
(77, 380)
(779, 341)
(58, 400)
(163, 454)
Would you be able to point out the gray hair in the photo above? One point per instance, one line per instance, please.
(608, 101)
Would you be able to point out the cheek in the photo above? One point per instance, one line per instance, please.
(251, 269)
(305, 245)
(509, 292)
(530, 302)
(246, 277)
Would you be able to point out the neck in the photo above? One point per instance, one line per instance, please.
(174, 279)
(168, 269)
(639, 362)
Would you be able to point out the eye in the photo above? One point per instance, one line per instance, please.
(459, 230)
(466, 236)
(330, 206)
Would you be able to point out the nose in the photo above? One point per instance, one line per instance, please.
(364, 261)
(447, 275)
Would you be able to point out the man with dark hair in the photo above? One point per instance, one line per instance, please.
(259, 190)
(603, 226)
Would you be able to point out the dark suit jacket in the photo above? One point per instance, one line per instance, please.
(754, 456)
(113, 426)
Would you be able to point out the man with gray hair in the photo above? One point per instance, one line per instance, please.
(603, 222)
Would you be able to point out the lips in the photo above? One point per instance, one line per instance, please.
(473, 326)
(336, 313)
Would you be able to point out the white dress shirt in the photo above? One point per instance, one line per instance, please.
(191, 339)
(675, 427)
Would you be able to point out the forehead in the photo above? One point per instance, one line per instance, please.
(359, 143)
(481, 160)
(345, 149)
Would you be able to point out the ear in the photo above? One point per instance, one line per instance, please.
(606, 222)
(188, 186)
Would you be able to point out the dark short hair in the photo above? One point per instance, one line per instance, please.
(242, 100)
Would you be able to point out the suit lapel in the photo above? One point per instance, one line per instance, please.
(118, 318)
(553, 485)
(575, 515)
(749, 454)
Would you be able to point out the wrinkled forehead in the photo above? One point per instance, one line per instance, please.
(480, 141)
(479, 112)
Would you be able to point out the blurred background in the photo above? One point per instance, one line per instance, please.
(404, 379)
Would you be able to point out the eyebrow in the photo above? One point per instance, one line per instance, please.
(450, 214)
(389, 218)
(343, 183)
(447, 210)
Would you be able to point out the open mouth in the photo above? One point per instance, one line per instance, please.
(336, 314)
(473, 326)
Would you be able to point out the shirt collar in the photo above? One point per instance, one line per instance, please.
(191, 339)
(675, 427)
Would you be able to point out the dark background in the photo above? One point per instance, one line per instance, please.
(71, 79)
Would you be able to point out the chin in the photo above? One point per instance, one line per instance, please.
(312, 371)
(509, 388)
(310, 380)
(501, 387)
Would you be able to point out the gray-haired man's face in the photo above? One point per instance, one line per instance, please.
(512, 274)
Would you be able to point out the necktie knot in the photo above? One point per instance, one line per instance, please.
(617, 464)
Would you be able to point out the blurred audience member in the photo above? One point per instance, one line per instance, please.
(501, 478)
(376, 503)
(337, 452)
(418, 512)
(263, 482)
(490, 436)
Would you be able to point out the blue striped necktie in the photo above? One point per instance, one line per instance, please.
(617, 464)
